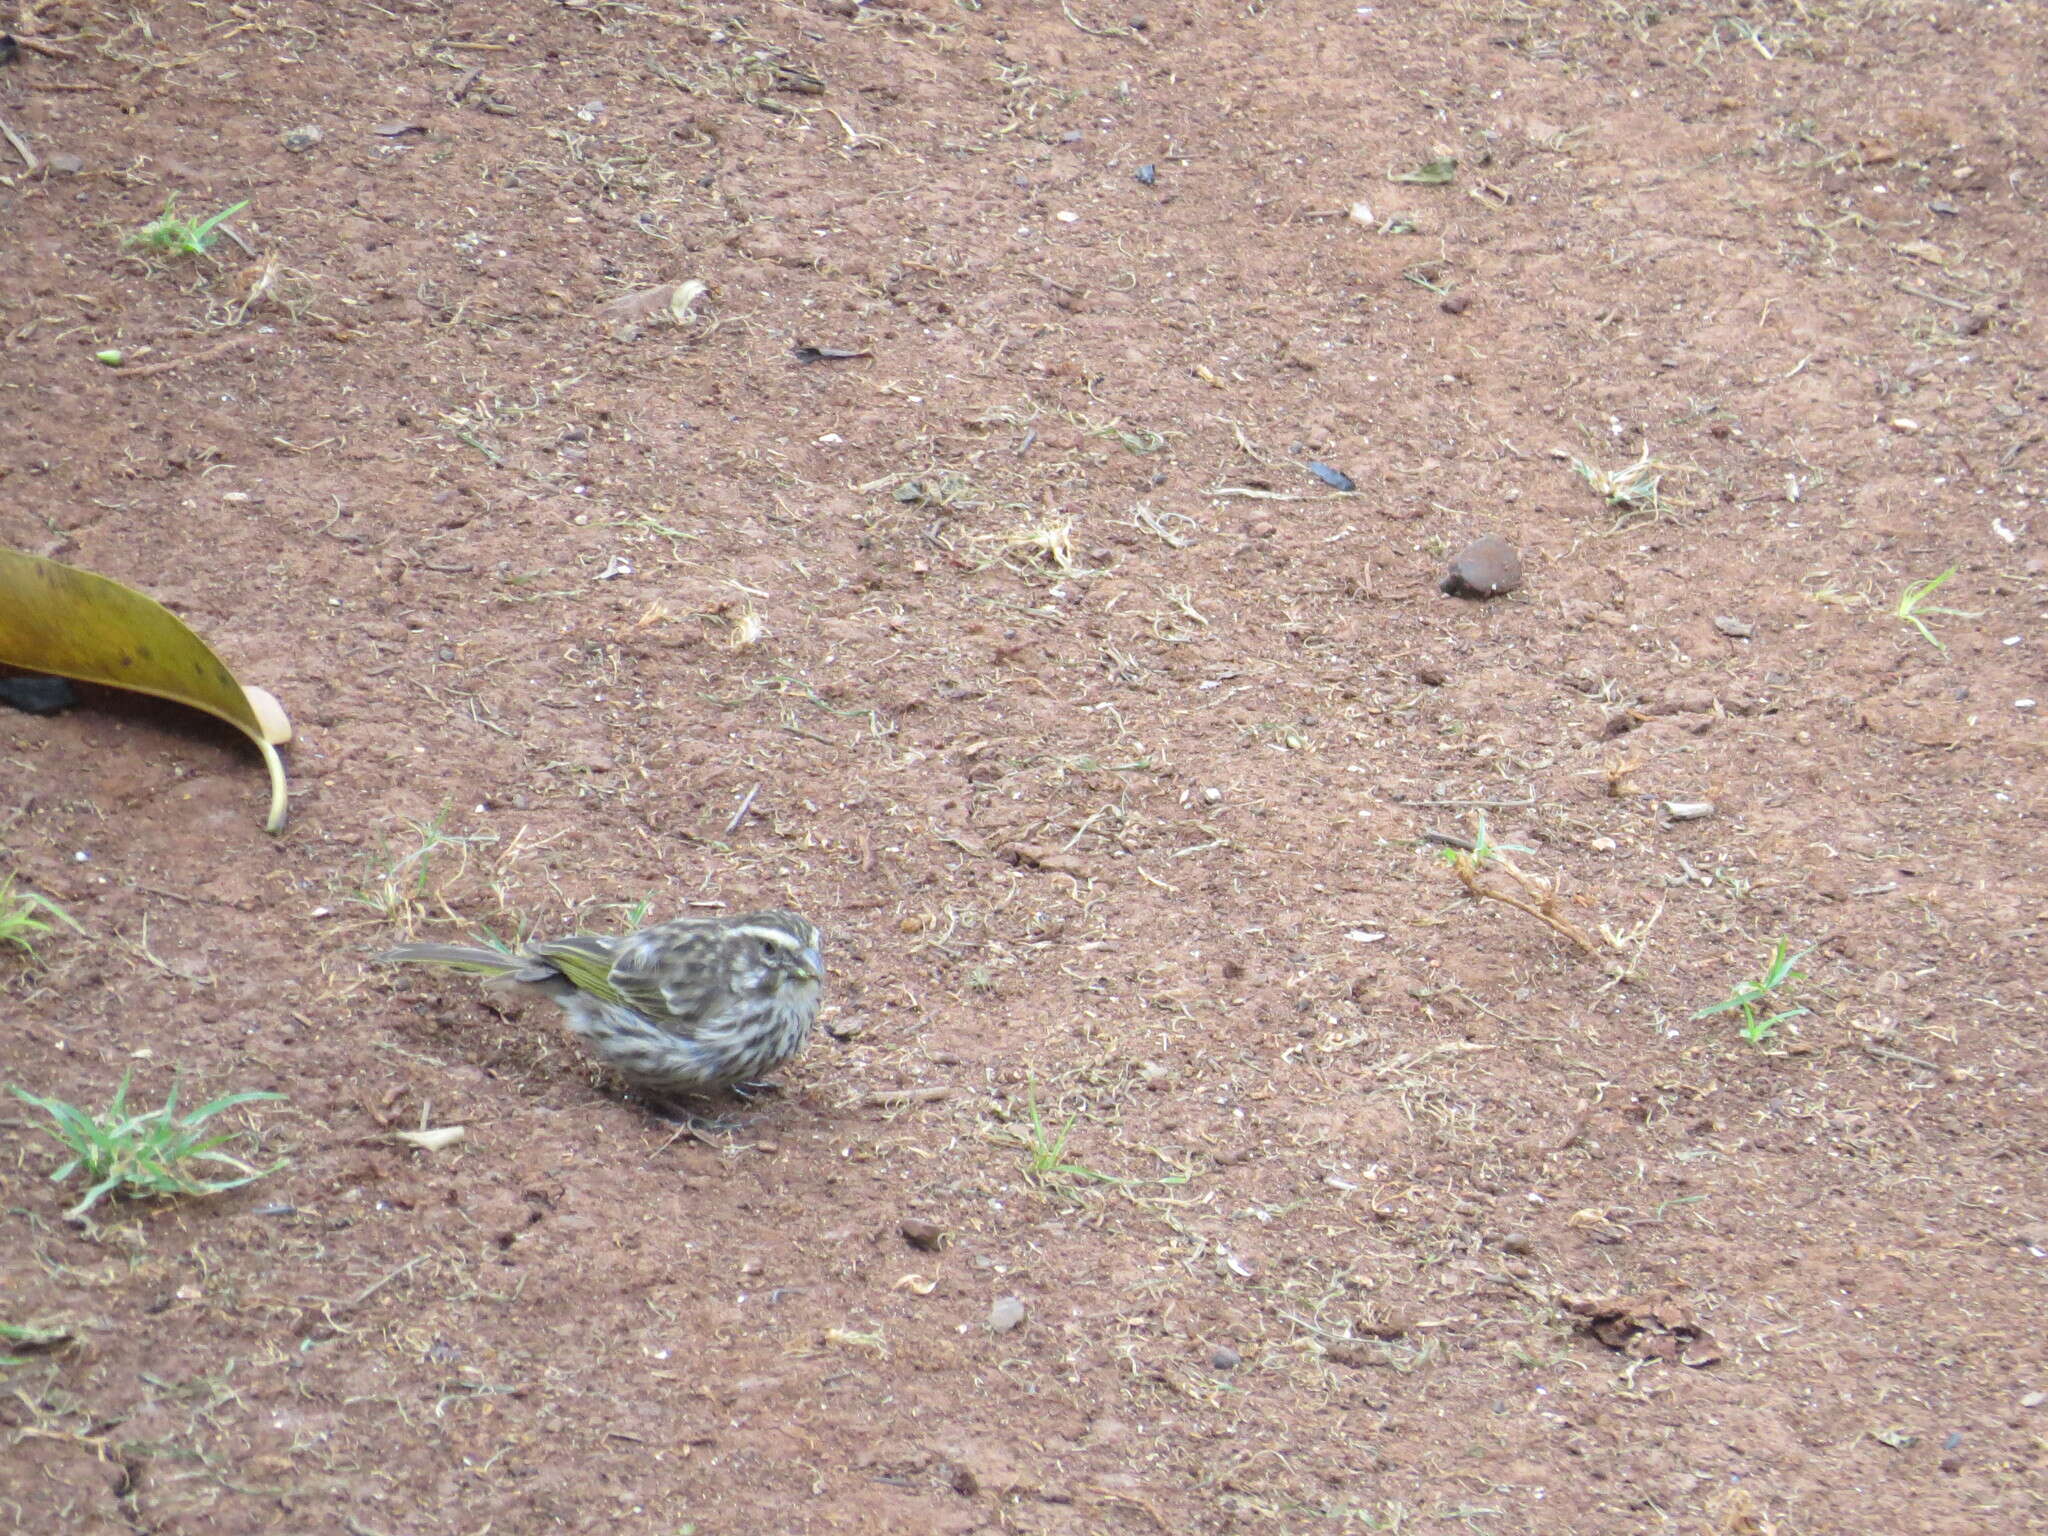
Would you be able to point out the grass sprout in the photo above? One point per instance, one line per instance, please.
(26, 914)
(169, 234)
(1914, 609)
(1045, 1154)
(1755, 999)
(146, 1154)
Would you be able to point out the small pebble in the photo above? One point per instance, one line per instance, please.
(1688, 810)
(1734, 629)
(921, 1234)
(1224, 1358)
(299, 140)
(65, 164)
(1432, 677)
(1146, 175)
(1005, 1315)
(1487, 567)
(1517, 1242)
(1456, 303)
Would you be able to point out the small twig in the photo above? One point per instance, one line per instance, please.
(740, 815)
(1449, 840)
(1483, 805)
(885, 1096)
(28, 156)
(1468, 874)
(47, 50)
(1110, 31)
(205, 354)
(1255, 493)
(1932, 298)
(1886, 1053)
(375, 1285)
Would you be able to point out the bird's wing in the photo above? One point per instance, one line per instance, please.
(673, 972)
(586, 959)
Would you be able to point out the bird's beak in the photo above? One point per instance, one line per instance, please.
(814, 965)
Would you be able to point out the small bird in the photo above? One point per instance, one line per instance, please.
(686, 1007)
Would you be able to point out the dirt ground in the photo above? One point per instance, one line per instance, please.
(1114, 751)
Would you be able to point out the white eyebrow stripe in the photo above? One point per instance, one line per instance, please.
(780, 936)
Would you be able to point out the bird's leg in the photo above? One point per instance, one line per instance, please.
(746, 1093)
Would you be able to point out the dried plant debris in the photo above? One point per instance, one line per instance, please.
(1647, 1325)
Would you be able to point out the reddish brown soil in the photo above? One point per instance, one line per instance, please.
(1501, 1237)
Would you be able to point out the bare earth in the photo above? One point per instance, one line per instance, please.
(1025, 654)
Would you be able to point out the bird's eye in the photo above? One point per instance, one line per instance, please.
(767, 952)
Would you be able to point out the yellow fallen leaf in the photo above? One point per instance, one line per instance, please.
(58, 619)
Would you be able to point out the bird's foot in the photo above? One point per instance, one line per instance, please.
(693, 1121)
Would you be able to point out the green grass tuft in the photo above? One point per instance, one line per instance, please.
(144, 1155)
(22, 916)
(170, 235)
(1754, 998)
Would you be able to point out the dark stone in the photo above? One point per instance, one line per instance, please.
(1487, 567)
(38, 695)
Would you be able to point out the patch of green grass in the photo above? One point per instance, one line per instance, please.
(23, 914)
(1045, 1154)
(1431, 173)
(30, 1336)
(1914, 609)
(146, 1154)
(168, 234)
(1484, 849)
(1754, 999)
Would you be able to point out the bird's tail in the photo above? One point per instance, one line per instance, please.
(475, 960)
(457, 957)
